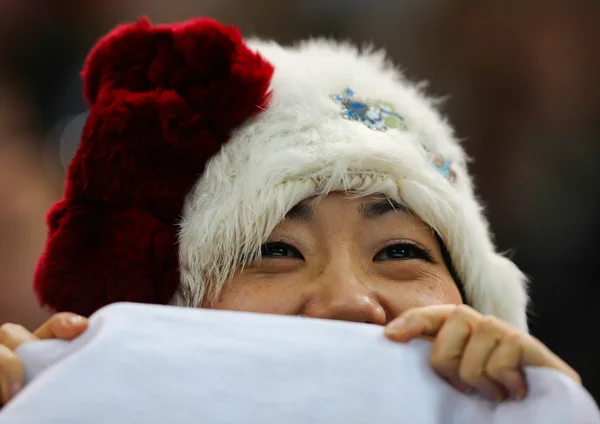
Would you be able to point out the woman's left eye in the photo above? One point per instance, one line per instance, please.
(403, 251)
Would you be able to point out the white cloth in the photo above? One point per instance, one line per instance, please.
(167, 365)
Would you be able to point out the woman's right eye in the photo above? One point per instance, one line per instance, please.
(279, 250)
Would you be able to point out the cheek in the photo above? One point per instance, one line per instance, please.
(437, 294)
(432, 291)
(264, 294)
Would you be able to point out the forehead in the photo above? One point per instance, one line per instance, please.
(369, 206)
(342, 213)
(347, 198)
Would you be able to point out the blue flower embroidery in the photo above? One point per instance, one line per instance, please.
(381, 116)
(443, 166)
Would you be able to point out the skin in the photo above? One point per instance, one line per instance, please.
(360, 260)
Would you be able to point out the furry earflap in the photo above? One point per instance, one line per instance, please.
(163, 100)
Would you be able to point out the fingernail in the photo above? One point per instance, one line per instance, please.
(397, 324)
(468, 390)
(401, 327)
(403, 324)
(520, 392)
(75, 320)
(459, 385)
(397, 328)
(492, 395)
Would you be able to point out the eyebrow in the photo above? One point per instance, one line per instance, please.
(300, 212)
(378, 207)
(368, 210)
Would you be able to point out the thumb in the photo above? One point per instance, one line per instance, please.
(64, 326)
(535, 353)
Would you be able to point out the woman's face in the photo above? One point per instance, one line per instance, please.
(363, 260)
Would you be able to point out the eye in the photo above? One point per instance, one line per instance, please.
(279, 250)
(403, 251)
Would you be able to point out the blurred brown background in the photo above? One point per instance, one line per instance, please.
(523, 79)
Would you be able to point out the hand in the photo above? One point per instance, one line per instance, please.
(65, 326)
(473, 351)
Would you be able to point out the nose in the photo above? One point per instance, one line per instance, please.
(344, 297)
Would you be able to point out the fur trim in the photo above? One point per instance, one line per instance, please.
(301, 147)
(163, 100)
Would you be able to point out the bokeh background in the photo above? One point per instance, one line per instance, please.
(523, 85)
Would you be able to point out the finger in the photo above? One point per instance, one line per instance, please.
(536, 354)
(459, 385)
(485, 337)
(447, 350)
(504, 366)
(11, 374)
(424, 322)
(65, 326)
(448, 346)
(12, 336)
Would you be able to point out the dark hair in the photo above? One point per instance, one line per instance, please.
(450, 265)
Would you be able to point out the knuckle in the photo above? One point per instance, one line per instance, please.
(442, 364)
(9, 331)
(8, 361)
(511, 337)
(60, 317)
(470, 375)
(487, 324)
(512, 340)
(462, 311)
(496, 370)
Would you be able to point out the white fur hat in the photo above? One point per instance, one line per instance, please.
(303, 145)
(337, 119)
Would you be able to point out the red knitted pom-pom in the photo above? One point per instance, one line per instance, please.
(163, 100)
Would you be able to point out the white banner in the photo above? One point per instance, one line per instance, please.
(167, 365)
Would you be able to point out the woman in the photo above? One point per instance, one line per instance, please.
(210, 175)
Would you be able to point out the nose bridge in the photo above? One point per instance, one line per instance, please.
(344, 293)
